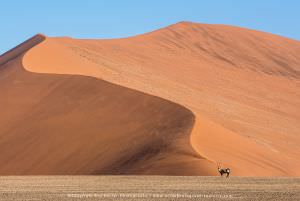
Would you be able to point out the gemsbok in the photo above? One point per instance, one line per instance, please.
(223, 171)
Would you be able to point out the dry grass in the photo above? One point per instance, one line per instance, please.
(147, 188)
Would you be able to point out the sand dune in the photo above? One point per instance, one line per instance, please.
(178, 100)
(67, 124)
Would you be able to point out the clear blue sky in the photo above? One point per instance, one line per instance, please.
(121, 18)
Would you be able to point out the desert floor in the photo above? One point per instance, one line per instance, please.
(147, 188)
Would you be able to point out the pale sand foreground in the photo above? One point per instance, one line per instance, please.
(147, 188)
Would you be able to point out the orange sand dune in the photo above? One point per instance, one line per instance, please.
(71, 124)
(241, 88)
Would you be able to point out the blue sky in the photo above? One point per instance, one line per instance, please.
(20, 20)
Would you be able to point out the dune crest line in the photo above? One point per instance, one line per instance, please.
(22, 48)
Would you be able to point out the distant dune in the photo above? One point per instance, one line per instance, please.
(170, 102)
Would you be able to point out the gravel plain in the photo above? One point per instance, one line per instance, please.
(130, 188)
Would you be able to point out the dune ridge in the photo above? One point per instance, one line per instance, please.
(241, 85)
(20, 49)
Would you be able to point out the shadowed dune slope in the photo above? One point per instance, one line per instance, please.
(72, 124)
(242, 85)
